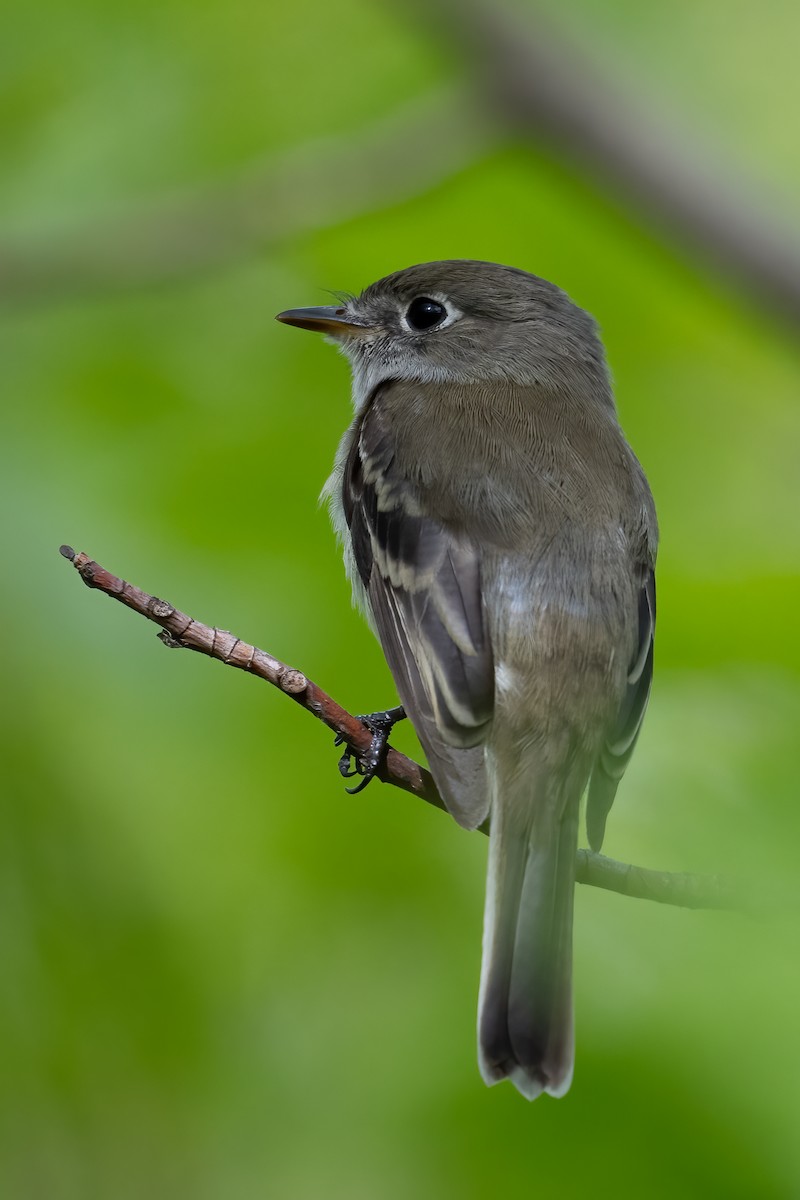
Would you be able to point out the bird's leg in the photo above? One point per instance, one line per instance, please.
(380, 725)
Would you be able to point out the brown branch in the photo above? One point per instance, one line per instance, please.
(551, 92)
(180, 630)
(537, 83)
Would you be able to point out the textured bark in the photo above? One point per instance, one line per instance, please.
(180, 631)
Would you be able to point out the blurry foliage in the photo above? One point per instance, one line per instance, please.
(221, 976)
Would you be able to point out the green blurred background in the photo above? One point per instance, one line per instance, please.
(222, 977)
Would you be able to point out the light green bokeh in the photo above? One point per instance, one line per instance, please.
(222, 977)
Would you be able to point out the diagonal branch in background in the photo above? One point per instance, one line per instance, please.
(531, 83)
(550, 92)
(307, 188)
(180, 630)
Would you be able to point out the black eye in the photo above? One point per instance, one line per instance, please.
(424, 313)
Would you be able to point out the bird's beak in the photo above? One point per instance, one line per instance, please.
(330, 320)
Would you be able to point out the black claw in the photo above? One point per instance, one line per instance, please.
(347, 758)
(345, 764)
(380, 725)
(353, 791)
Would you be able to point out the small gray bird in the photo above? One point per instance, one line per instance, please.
(501, 535)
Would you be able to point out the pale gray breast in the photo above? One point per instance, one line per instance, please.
(514, 465)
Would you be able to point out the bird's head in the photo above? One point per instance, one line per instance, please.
(459, 321)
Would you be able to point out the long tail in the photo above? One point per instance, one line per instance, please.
(525, 1027)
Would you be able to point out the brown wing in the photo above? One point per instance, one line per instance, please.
(619, 746)
(424, 588)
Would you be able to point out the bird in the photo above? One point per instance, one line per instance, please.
(501, 537)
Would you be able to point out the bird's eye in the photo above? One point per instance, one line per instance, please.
(424, 313)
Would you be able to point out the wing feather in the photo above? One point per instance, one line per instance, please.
(619, 746)
(424, 587)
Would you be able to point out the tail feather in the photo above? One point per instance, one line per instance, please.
(525, 1021)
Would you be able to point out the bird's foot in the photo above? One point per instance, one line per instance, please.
(380, 725)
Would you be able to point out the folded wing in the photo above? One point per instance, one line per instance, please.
(424, 587)
(619, 746)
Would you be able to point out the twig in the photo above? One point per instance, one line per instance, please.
(547, 90)
(180, 630)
